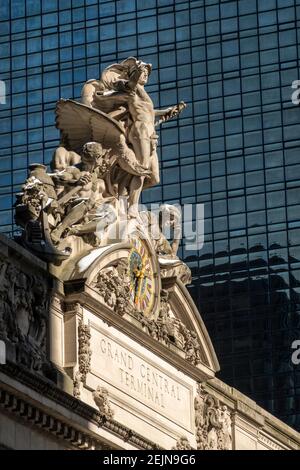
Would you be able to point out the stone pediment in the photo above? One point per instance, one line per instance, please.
(184, 308)
(126, 279)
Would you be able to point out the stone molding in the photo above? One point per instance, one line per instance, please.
(50, 391)
(268, 442)
(244, 408)
(59, 429)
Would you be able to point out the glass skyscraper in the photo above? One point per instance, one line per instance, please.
(235, 148)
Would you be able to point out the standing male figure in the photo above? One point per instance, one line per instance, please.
(121, 94)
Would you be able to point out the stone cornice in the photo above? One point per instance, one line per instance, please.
(36, 417)
(253, 413)
(13, 402)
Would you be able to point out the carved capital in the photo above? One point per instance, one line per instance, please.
(73, 307)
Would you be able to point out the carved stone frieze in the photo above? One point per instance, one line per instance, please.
(113, 284)
(212, 421)
(169, 219)
(24, 310)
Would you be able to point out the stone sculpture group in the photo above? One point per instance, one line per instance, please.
(106, 157)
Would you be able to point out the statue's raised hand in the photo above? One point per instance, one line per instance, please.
(169, 113)
(175, 110)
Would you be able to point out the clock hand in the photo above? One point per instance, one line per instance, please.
(140, 274)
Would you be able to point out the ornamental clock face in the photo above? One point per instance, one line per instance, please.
(142, 282)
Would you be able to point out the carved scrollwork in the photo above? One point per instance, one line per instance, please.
(212, 421)
(170, 330)
(84, 350)
(113, 284)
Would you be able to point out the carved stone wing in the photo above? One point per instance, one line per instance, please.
(81, 124)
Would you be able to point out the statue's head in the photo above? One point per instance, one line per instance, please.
(91, 152)
(144, 76)
(134, 64)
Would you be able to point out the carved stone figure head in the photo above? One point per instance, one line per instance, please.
(144, 76)
(91, 151)
(94, 155)
(135, 65)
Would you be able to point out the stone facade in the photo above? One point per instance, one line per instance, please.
(104, 345)
(113, 410)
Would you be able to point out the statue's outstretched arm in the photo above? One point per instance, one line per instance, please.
(162, 112)
(168, 113)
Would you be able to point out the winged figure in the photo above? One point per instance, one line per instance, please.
(117, 110)
(108, 149)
